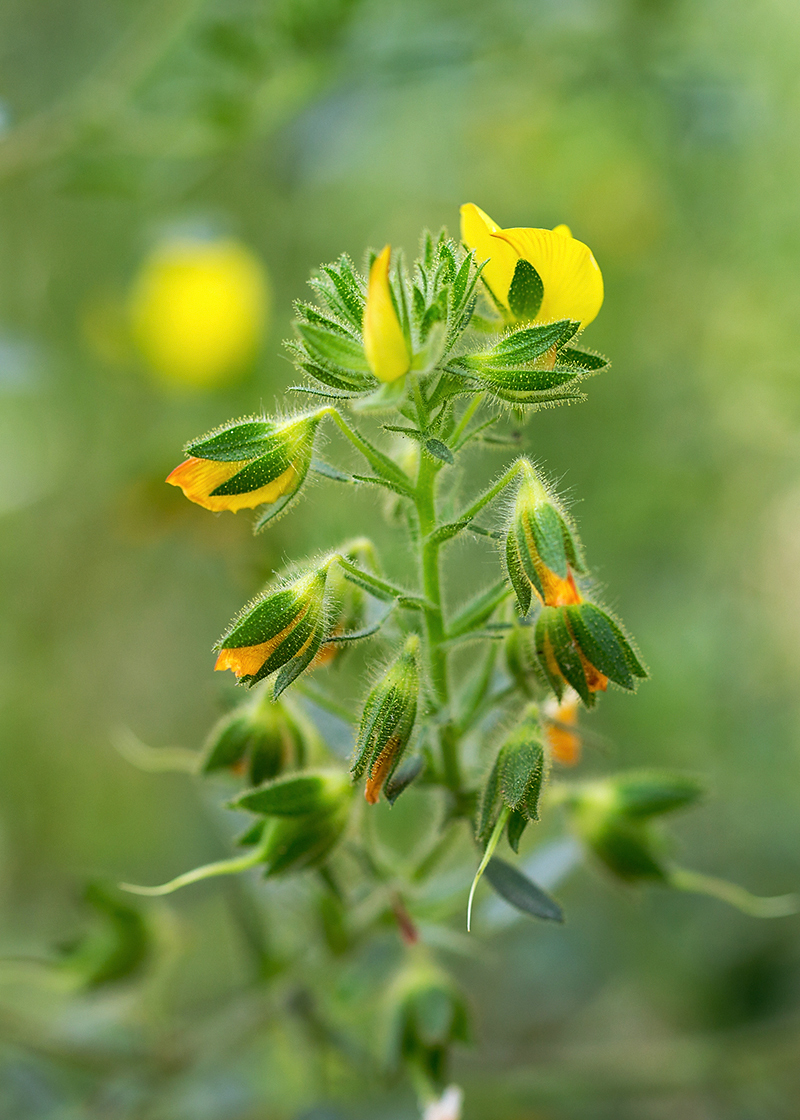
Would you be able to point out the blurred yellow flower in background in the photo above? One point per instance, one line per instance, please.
(198, 311)
(571, 281)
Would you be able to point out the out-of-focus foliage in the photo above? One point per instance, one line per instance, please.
(664, 134)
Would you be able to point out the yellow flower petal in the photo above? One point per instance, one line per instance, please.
(199, 477)
(384, 341)
(573, 283)
(477, 230)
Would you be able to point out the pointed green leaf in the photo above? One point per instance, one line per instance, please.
(293, 795)
(521, 892)
(336, 349)
(439, 451)
(581, 359)
(403, 777)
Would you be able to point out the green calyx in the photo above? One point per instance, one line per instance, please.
(303, 818)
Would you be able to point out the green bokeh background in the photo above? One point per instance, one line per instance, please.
(665, 134)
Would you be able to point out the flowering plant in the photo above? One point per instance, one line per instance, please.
(441, 356)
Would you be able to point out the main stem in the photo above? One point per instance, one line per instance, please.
(425, 500)
(431, 583)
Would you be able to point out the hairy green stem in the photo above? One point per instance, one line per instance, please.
(778, 906)
(431, 583)
(493, 491)
(469, 412)
(207, 871)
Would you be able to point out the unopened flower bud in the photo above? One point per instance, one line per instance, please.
(247, 463)
(387, 721)
(650, 793)
(115, 948)
(613, 818)
(583, 646)
(384, 341)
(280, 628)
(515, 781)
(262, 737)
(427, 1014)
(542, 548)
(305, 816)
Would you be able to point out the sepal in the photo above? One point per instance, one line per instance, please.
(305, 813)
(296, 795)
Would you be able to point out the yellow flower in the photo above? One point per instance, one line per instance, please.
(570, 276)
(384, 342)
(198, 311)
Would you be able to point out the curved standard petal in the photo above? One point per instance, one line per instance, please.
(198, 478)
(384, 342)
(573, 283)
(477, 230)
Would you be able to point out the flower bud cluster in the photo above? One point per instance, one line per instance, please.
(372, 331)
(575, 642)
